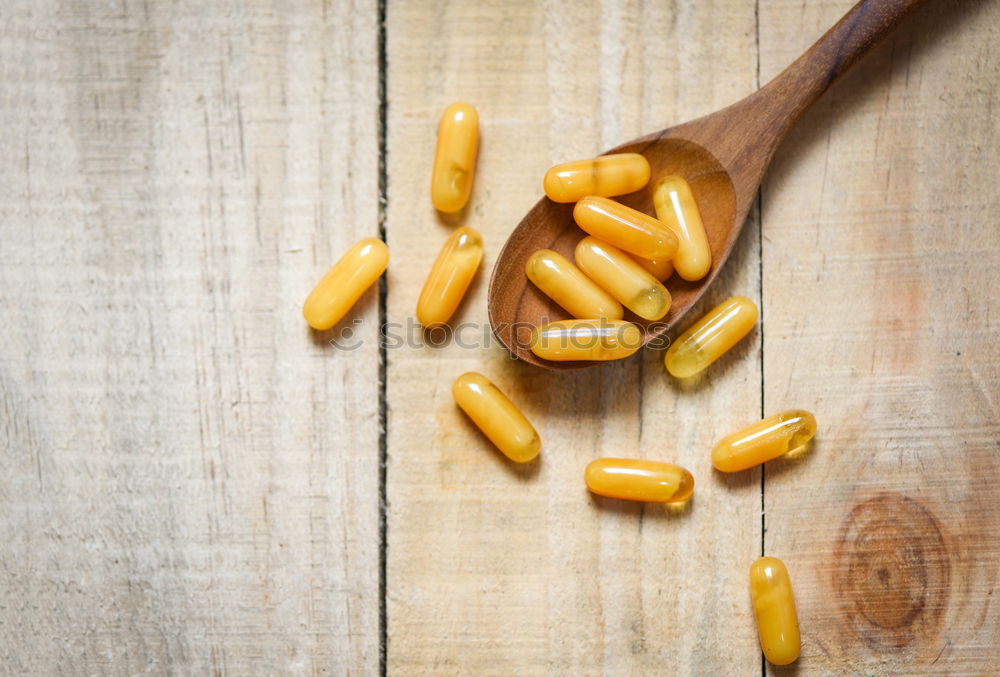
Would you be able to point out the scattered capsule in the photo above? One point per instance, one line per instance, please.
(344, 284)
(775, 436)
(498, 418)
(661, 269)
(625, 228)
(774, 607)
(450, 276)
(455, 158)
(711, 336)
(607, 176)
(636, 480)
(585, 340)
(675, 206)
(625, 279)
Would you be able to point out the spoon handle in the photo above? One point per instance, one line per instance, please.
(744, 136)
(798, 86)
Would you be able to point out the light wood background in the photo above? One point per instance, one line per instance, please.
(194, 483)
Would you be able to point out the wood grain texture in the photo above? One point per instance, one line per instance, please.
(191, 477)
(881, 264)
(497, 569)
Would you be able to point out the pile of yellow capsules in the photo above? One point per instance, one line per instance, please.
(624, 261)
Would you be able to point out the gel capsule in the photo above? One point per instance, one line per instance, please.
(585, 340)
(636, 480)
(344, 284)
(625, 279)
(774, 607)
(607, 175)
(711, 336)
(625, 228)
(455, 157)
(661, 269)
(496, 416)
(675, 206)
(450, 276)
(765, 440)
(563, 282)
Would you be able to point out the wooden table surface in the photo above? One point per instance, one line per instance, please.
(194, 483)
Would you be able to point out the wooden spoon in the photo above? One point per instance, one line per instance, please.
(723, 156)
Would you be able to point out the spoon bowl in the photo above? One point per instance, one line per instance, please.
(518, 306)
(723, 157)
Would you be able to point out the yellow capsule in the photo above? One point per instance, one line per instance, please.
(607, 176)
(625, 279)
(563, 282)
(625, 228)
(636, 480)
(455, 157)
(344, 284)
(775, 436)
(585, 340)
(496, 416)
(675, 206)
(711, 336)
(659, 268)
(774, 607)
(450, 276)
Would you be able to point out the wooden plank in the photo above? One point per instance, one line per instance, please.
(499, 569)
(191, 477)
(881, 268)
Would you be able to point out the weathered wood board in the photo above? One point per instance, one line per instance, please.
(190, 477)
(193, 479)
(495, 569)
(881, 269)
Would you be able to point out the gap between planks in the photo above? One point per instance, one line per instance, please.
(383, 358)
